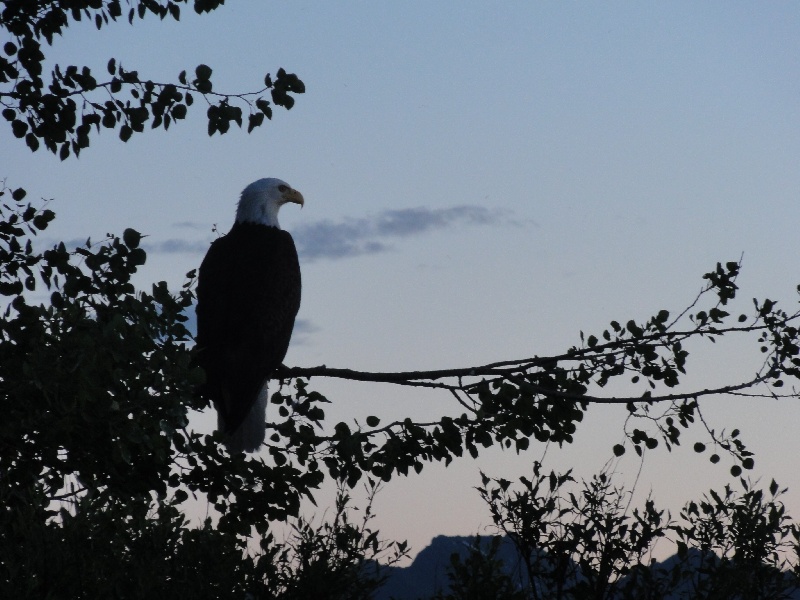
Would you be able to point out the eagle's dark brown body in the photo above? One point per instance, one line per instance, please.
(248, 295)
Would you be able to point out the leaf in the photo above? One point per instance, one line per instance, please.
(138, 257)
(109, 120)
(43, 219)
(131, 238)
(19, 128)
(342, 430)
(634, 329)
(203, 72)
(254, 120)
(32, 142)
(179, 111)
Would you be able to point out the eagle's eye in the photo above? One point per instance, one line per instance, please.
(283, 188)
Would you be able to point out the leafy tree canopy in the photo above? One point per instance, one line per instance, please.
(60, 109)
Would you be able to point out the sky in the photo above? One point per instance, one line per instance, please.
(482, 183)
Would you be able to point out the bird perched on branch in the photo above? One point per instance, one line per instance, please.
(248, 295)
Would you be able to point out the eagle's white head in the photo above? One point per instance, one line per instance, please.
(261, 200)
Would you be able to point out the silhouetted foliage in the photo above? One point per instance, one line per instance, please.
(589, 544)
(481, 574)
(61, 109)
(98, 378)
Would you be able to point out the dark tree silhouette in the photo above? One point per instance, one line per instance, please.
(98, 378)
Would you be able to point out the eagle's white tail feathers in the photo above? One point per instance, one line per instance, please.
(250, 435)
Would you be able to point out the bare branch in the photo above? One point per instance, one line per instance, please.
(429, 379)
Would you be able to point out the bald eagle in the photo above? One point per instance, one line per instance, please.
(248, 294)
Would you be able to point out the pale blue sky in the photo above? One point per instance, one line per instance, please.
(566, 163)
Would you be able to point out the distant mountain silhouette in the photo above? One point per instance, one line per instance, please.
(428, 573)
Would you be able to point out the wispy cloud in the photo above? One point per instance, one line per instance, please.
(303, 326)
(176, 245)
(351, 237)
(302, 333)
(191, 225)
(371, 235)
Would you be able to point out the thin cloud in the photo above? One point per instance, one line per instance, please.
(356, 237)
(304, 326)
(302, 332)
(191, 225)
(411, 221)
(351, 237)
(177, 246)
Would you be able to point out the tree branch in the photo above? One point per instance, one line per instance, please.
(429, 379)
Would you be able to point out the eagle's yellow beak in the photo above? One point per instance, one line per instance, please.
(293, 195)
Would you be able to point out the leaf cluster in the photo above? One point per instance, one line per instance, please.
(87, 378)
(588, 543)
(568, 541)
(61, 110)
(124, 549)
(480, 574)
(338, 559)
(746, 539)
(544, 399)
(140, 548)
(97, 381)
